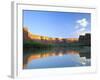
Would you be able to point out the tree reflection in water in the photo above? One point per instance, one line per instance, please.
(41, 54)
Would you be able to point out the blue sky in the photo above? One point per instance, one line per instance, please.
(57, 24)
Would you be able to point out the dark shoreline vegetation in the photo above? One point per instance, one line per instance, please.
(38, 45)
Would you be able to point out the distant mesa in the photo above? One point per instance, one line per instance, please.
(33, 37)
(45, 39)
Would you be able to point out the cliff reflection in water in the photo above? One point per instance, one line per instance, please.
(57, 57)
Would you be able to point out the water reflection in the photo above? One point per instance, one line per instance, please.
(57, 57)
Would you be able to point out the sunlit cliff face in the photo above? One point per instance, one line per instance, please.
(32, 36)
(39, 37)
(72, 39)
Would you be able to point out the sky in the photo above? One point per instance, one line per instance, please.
(57, 24)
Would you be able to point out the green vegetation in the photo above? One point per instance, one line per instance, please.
(32, 44)
(39, 45)
(74, 44)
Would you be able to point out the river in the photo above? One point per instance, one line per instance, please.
(56, 58)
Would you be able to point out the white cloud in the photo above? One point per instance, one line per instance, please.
(83, 22)
(81, 26)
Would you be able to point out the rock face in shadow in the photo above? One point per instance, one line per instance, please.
(85, 39)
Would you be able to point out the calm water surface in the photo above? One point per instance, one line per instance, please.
(57, 57)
